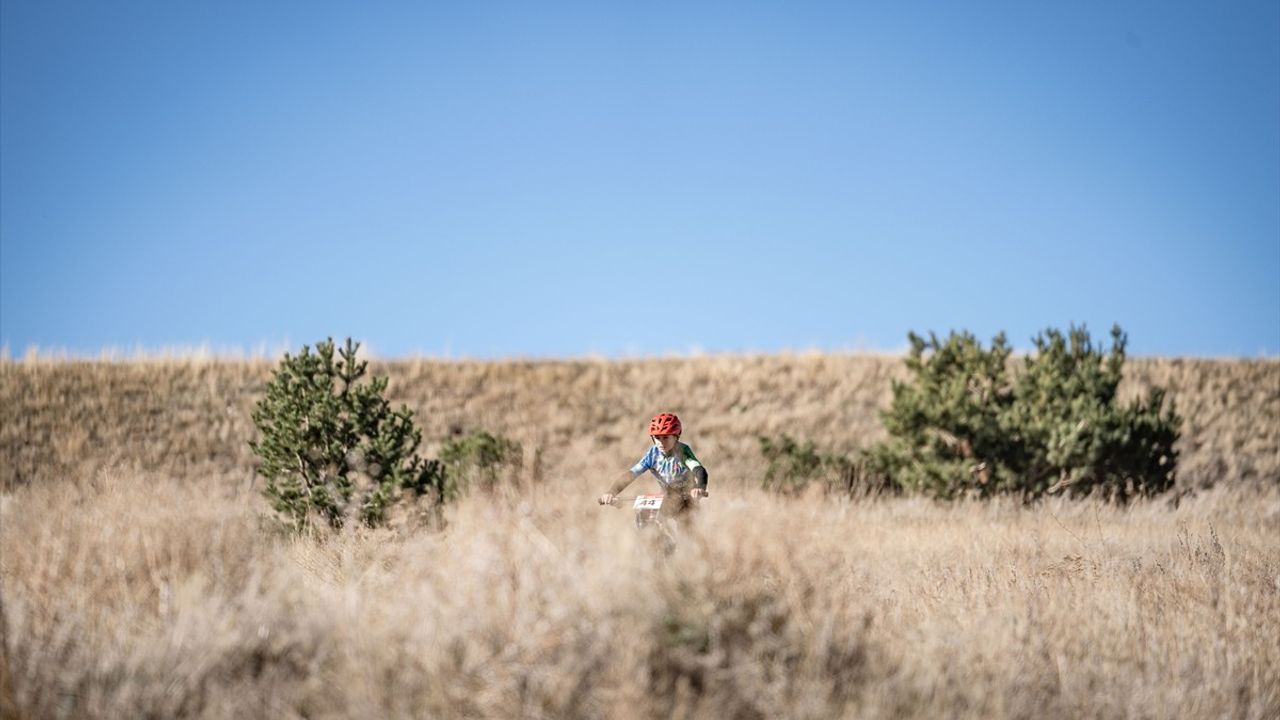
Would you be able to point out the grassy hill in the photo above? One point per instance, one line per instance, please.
(139, 579)
(586, 418)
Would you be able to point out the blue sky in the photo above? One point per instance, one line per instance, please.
(559, 179)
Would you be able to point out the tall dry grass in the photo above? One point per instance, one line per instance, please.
(138, 577)
(145, 596)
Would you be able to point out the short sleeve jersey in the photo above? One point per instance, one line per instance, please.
(672, 470)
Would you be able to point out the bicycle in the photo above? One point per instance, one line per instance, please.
(648, 509)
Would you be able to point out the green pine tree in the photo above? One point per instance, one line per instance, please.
(479, 461)
(1073, 432)
(965, 425)
(332, 447)
(946, 430)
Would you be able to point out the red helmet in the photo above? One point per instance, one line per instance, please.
(664, 424)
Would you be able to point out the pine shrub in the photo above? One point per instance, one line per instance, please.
(332, 447)
(478, 461)
(946, 431)
(792, 467)
(965, 425)
(1073, 432)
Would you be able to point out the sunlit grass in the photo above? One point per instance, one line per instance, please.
(137, 595)
(139, 577)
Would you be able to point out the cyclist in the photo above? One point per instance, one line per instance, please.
(672, 462)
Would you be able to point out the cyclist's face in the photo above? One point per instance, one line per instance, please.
(665, 443)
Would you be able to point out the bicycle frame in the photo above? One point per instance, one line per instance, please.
(649, 512)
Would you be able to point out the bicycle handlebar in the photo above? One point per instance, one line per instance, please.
(619, 499)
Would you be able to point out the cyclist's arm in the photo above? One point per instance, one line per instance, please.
(627, 477)
(622, 482)
(695, 466)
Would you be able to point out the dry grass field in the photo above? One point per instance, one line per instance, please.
(139, 578)
(191, 418)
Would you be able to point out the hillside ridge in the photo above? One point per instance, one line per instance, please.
(191, 417)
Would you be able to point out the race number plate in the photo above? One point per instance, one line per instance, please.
(648, 502)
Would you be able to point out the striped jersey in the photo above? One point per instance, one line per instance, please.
(672, 470)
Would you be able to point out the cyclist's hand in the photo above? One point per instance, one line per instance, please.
(606, 499)
(697, 493)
